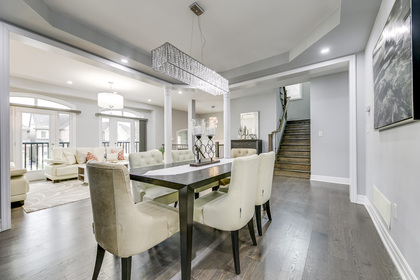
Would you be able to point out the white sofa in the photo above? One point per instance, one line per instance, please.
(65, 161)
(19, 185)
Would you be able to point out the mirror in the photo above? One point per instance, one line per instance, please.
(249, 125)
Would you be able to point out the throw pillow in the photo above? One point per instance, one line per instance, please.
(80, 157)
(120, 154)
(69, 157)
(91, 156)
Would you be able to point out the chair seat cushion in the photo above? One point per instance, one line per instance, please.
(157, 211)
(201, 202)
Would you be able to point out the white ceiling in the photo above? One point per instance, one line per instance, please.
(244, 40)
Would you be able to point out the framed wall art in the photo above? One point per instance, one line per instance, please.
(396, 61)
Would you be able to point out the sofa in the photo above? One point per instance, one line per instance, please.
(65, 162)
(19, 185)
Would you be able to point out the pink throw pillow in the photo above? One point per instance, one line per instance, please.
(91, 156)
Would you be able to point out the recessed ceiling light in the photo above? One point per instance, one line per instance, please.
(326, 50)
(70, 82)
(123, 60)
(180, 92)
(149, 100)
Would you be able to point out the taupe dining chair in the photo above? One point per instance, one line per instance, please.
(121, 227)
(232, 210)
(188, 155)
(144, 191)
(264, 186)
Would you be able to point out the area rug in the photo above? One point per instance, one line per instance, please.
(43, 195)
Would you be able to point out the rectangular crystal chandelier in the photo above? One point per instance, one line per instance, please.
(174, 63)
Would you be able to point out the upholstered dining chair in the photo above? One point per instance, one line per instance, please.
(264, 186)
(121, 227)
(232, 210)
(144, 191)
(235, 153)
(187, 155)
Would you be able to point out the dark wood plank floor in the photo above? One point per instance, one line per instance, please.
(316, 233)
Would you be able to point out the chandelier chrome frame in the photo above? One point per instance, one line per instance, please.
(169, 60)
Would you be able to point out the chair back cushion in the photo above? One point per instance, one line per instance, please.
(234, 210)
(121, 227)
(182, 155)
(142, 159)
(265, 177)
(239, 152)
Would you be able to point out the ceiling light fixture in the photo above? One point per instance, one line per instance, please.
(123, 60)
(169, 60)
(213, 120)
(70, 82)
(110, 100)
(326, 50)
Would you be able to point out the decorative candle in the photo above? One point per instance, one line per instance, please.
(210, 131)
(197, 130)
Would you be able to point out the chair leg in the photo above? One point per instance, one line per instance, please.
(251, 231)
(258, 216)
(235, 248)
(267, 207)
(100, 252)
(126, 268)
(176, 203)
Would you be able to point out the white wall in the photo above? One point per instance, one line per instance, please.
(330, 115)
(392, 162)
(265, 103)
(300, 109)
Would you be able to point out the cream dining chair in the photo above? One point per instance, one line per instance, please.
(232, 210)
(188, 155)
(144, 191)
(121, 227)
(235, 153)
(264, 186)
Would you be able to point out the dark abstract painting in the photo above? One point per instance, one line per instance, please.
(392, 69)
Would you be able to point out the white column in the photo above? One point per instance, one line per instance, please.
(226, 123)
(191, 115)
(5, 212)
(168, 123)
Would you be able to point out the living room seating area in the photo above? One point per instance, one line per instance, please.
(65, 161)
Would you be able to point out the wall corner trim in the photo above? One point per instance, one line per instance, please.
(397, 257)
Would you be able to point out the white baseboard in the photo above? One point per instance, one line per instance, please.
(403, 267)
(329, 179)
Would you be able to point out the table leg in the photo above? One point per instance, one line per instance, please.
(186, 207)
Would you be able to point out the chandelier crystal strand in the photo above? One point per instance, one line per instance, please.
(174, 63)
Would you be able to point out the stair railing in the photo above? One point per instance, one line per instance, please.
(281, 128)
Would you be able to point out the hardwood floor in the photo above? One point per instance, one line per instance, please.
(316, 233)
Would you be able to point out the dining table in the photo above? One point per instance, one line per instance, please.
(184, 178)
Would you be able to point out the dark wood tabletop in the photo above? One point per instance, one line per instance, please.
(194, 179)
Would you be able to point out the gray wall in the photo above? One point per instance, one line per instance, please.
(265, 103)
(300, 109)
(219, 137)
(392, 162)
(179, 122)
(330, 115)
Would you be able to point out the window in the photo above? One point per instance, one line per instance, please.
(294, 91)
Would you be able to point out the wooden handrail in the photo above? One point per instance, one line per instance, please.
(281, 126)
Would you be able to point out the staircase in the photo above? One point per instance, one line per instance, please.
(294, 156)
